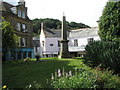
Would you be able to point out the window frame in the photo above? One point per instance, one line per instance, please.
(19, 41)
(19, 13)
(51, 45)
(75, 42)
(24, 27)
(18, 26)
(90, 39)
(23, 14)
(23, 42)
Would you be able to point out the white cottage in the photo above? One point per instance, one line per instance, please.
(78, 39)
(49, 42)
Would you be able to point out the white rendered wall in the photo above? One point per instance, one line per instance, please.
(42, 38)
(82, 42)
(52, 49)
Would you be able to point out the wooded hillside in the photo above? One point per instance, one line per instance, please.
(54, 24)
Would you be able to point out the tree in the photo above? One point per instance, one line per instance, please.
(55, 24)
(109, 22)
(9, 38)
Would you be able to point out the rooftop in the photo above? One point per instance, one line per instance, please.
(85, 32)
(77, 33)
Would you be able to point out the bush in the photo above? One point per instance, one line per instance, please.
(106, 79)
(105, 53)
(94, 78)
(81, 79)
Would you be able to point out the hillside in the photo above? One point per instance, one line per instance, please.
(55, 24)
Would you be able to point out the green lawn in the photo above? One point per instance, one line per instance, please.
(19, 74)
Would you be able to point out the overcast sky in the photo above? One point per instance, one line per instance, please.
(85, 11)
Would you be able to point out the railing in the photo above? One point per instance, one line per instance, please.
(76, 48)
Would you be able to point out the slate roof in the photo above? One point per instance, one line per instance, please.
(85, 32)
(6, 9)
(52, 32)
(77, 33)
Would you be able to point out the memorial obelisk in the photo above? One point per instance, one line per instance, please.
(64, 53)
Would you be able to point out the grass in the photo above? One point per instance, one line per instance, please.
(19, 74)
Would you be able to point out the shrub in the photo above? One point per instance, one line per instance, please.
(106, 79)
(83, 78)
(105, 53)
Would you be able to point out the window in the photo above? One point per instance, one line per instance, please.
(90, 40)
(23, 14)
(23, 44)
(58, 43)
(19, 41)
(18, 26)
(19, 13)
(75, 42)
(51, 44)
(43, 43)
(23, 27)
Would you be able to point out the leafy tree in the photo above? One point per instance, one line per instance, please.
(48, 22)
(9, 38)
(109, 23)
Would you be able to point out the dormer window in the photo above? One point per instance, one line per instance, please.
(23, 14)
(19, 13)
(14, 10)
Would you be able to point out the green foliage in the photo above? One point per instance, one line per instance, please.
(54, 24)
(32, 74)
(19, 74)
(9, 37)
(74, 25)
(106, 78)
(48, 22)
(105, 53)
(83, 78)
(109, 23)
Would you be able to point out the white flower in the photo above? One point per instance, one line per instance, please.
(70, 73)
(59, 73)
(66, 74)
(30, 86)
(52, 76)
(58, 70)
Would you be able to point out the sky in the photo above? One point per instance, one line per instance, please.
(84, 11)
